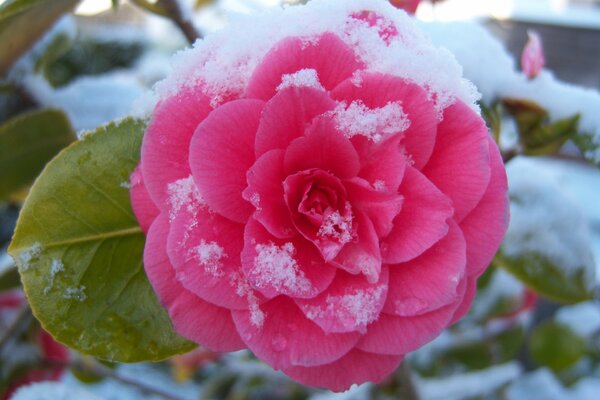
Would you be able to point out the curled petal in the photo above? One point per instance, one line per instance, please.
(328, 55)
(349, 304)
(221, 152)
(356, 367)
(285, 337)
(200, 321)
(421, 222)
(143, 207)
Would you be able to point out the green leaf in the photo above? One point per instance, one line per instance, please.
(9, 279)
(27, 143)
(79, 250)
(23, 22)
(548, 279)
(556, 346)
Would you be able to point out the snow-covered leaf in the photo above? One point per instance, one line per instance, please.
(27, 143)
(79, 251)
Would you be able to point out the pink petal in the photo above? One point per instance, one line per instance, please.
(460, 163)
(325, 148)
(431, 280)
(362, 255)
(421, 222)
(265, 191)
(286, 116)
(349, 304)
(333, 60)
(292, 267)
(166, 143)
(399, 335)
(467, 300)
(143, 207)
(221, 152)
(356, 367)
(377, 90)
(532, 58)
(204, 249)
(382, 164)
(286, 338)
(486, 225)
(192, 317)
(380, 206)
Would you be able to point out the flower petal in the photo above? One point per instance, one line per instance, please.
(287, 338)
(286, 116)
(421, 222)
(486, 225)
(323, 147)
(194, 318)
(349, 304)
(431, 280)
(382, 164)
(292, 267)
(356, 367)
(465, 304)
(204, 249)
(143, 207)
(333, 60)
(221, 152)
(165, 147)
(265, 192)
(460, 163)
(377, 90)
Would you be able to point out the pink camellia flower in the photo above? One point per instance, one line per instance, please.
(532, 58)
(317, 186)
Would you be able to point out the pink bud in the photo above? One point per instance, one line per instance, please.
(532, 58)
(410, 6)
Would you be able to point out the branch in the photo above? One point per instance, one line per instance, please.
(171, 9)
(407, 385)
(22, 318)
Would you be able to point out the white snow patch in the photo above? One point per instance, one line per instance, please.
(56, 266)
(75, 293)
(183, 193)
(209, 255)
(6, 263)
(243, 289)
(337, 226)
(125, 185)
(52, 391)
(375, 124)
(582, 318)
(276, 267)
(306, 77)
(541, 382)
(503, 286)
(29, 255)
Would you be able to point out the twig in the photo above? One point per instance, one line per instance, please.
(175, 14)
(22, 318)
(407, 384)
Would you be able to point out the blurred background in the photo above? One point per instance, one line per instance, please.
(67, 67)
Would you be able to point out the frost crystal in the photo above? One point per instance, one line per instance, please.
(303, 78)
(75, 293)
(375, 124)
(275, 266)
(243, 289)
(209, 256)
(26, 256)
(337, 226)
(55, 267)
(183, 193)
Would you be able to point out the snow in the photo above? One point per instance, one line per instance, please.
(56, 266)
(209, 255)
(337, 226)
(75, 293)
(582, 318)
(183, 193)
(223, 62)
(546, 221)
(306, 77)
(242, 288)
(28, 255)
(52, 391)
(6, 263)
(275, 266)
(541, 382)
(502, 286)
(375, 124)
(487, 64)
(469, 385)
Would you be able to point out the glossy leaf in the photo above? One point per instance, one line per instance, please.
(556, 346)
(79, 251)
(27, 143)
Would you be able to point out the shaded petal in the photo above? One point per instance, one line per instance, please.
(431, 280)
(204, 249)
(221, 152)
(165, 148)
(467, 300)
(421, 222)
(399, 335)
(265, 192)
(460, 163)
(363, 254)
(333, 60)
(486, 225)
(286, 116)
(192, 317)
(382, 164)
(323, 147)
(287, 338)
(376, 90)
(143, 207)
(355, 367)
(291, 267)
(349, 304)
